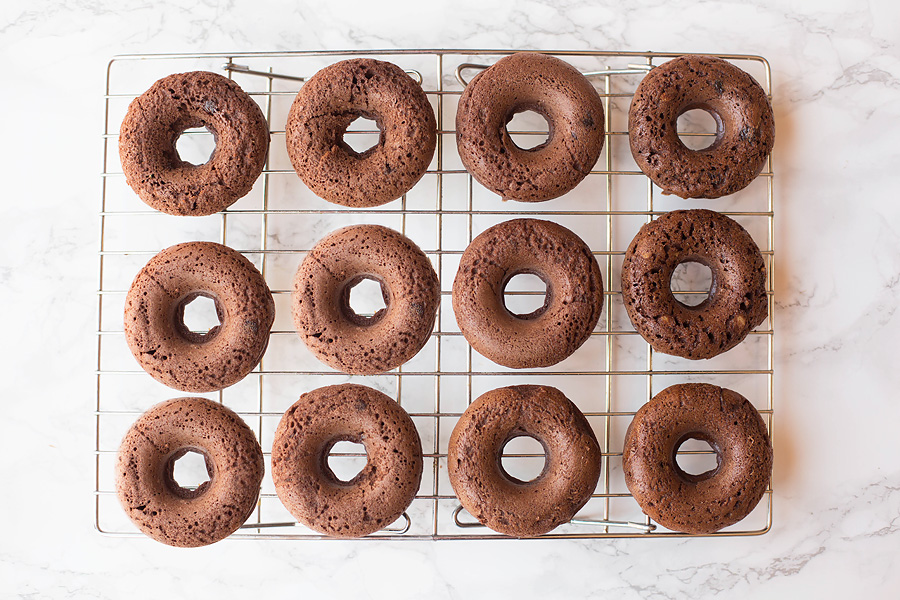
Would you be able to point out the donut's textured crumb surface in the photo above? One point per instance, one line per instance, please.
(156, 119)
(745, 127)
(333, 331)
(152, 498)
(154, 310)
(737, 300)
(706, 502)
(573, 301)
(501, 502)
(335, 97)
(552, 88)
(374, 498)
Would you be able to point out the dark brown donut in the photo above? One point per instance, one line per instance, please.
(745, 127)
(709, 501)
(156, 119)
(550, 87)
(571, 307)
(502, 502)
(375, 497)
(335, 97)
(338, 336)
(154, 317)
(152, 498)
(737, 299)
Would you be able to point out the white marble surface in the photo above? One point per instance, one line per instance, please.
(837, 475)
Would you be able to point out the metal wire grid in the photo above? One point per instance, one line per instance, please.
(435, 513)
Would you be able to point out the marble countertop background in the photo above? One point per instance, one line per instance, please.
(836, 76)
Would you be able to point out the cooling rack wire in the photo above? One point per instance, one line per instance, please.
(609, 378)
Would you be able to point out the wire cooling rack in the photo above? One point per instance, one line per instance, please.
(609, 378)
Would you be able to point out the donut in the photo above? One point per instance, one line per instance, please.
(154, 317)
(156, 119)
(335, 97)
(745, 127)
(529, 82)
(502, 502)
(374, 498)
(353, 343)
(707, 502)
(572, 305)
(737, 299)
(145, 482)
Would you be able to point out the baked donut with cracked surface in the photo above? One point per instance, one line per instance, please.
(709, 501)
(550, 87)
(154, 317)
(745, 127)
(499, 500)
(345, 340)
(156, 119)
(572, 304)
(145, 481)
(379, 494)
(737, 300)
(335, 97)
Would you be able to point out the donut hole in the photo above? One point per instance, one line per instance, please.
(196, 145)
(523, 458)
(364, 300)
(698, 128)
(188, 473)
(346, 460)
(696, 459)
(525, 295)
(362, 135)
(691, 283)
(528, 129)
(198, 317)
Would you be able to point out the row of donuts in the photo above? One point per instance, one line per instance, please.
(383, 490)
(338, 94)
(365, 345)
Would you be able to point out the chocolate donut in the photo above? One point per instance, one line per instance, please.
(156, 119)
(737, 299)
(707, 502)
(502, 502)
(745, 127)
(335, 97)
(550, 87)
(146, 485)
(353, 343)
(154, 317)
(572, 304)
(375, 497)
